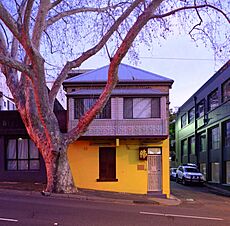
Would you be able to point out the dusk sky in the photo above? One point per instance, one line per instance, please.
(177, 58)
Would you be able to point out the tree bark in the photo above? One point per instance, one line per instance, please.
(59, 176)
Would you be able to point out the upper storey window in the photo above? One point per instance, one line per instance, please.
(191, 115)
(213, 100)
(82, 105)
(214, 138)
(200, 108)
(141, 108)
(226, 90)
(183, 120)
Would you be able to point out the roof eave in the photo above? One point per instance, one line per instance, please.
(126, 83)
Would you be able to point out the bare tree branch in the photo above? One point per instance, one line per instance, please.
(113, 71)
(55, 3)
(13, 27)
(9, 21)
(61, 15)
(198, 24)
(40, 22)
(4, 31)
(10, 62)
(26, 20)
(15, 42)
(192, 7)
(77, 62)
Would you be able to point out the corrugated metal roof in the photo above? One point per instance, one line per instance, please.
(125, 73)
(118, 92)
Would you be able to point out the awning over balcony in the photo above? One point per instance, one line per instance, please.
(119, 92)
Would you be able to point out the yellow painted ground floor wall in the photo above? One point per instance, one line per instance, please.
(131, 172)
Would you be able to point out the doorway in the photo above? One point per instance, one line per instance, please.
(154, 173)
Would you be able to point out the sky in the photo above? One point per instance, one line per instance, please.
(178, 58)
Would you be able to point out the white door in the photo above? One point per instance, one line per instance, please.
(154, 173)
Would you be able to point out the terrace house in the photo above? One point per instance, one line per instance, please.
(126, 148)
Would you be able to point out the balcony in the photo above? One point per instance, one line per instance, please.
(125, 127)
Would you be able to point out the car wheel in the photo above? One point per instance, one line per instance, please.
(183, 181)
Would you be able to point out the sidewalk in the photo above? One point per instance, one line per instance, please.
(220, 189)
(92, 195)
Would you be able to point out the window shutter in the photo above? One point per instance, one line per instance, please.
(128, 108)
(156, 108)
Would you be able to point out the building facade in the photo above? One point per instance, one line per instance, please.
(20, 160)
(203, 128)
(126, 148)
(6, 100)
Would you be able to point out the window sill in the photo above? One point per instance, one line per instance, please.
(107, 180)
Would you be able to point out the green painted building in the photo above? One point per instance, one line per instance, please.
(203, 128)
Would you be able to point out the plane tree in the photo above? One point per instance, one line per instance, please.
(44, 38)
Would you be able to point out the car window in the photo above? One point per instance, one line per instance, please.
(191, 170)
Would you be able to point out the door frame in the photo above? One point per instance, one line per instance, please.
(155, 151)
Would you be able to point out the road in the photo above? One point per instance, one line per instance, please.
(199, 207)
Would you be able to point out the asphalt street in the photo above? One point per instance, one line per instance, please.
(198, 207)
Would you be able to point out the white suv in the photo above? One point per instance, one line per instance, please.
(189, 174)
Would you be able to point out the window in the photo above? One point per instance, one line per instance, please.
(227, 172)
(22, 154)
(184, 147)
(215, 166)
(227, 134)
(213, 100)
(214, 138)
(107, 164)
(191, 142)
(202, 142)
(226, 90)
(82, 105)
(200, 108)
(183, 120)
(191, 115)
(141, 108)
(203, 169)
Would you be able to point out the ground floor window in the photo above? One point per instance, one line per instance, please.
(202, 142)
(228, 172)
(191, 143)
(203, 169)
(184, 147)
(215, 166)
(22, 154)
(107, 164)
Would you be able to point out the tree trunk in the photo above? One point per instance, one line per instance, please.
(59, 176)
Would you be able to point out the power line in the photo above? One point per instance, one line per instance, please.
(178, 58)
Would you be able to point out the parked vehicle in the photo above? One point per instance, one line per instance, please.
(173, 173)
(189, 174)
(190, 164)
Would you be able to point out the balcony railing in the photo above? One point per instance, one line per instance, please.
(126, 127)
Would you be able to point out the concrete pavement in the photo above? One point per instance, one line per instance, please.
(85, 194)
(104, 196)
